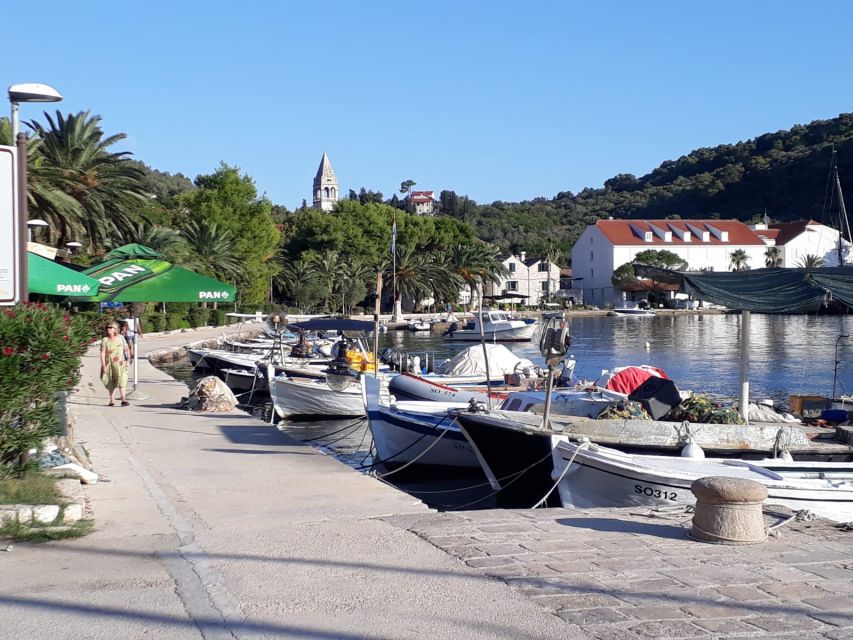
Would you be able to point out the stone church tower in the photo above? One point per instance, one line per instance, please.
(325, 185)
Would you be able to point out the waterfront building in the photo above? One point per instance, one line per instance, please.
(803, 238)
(537, 279)
(706, 245)
(703, 244)
(326, 189)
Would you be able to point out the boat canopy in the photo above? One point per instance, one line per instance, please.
(762, 290)
(333, 324)
(472, 361)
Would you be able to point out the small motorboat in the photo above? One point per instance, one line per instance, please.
(419, 325)
(634, 312)
(591, 475)
(497, 327)
(416, 433)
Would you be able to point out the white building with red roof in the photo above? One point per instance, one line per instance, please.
(703, 244)
(423, 202)
(802, 238)
(533, 280)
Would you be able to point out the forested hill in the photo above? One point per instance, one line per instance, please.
(783, 173)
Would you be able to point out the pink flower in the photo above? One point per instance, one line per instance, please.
(44, 356)
(8, 351)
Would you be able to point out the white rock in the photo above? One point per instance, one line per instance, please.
(45, 513)
(25, 513)
(72, 513)
(8, 515)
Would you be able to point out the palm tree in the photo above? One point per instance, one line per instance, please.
(773, 257)
(810, 261)
(328, 269)
(353, 281)
(739, 260)
(77, 184)
(170, 243)
(476, 264)
(295, 279)
(418, 275)
(211, 251)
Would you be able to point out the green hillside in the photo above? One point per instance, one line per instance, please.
(783, 174)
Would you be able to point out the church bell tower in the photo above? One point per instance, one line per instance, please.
(325, 185)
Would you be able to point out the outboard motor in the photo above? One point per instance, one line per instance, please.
(339, 374)
(302, 349)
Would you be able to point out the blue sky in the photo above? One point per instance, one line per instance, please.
(497, 100)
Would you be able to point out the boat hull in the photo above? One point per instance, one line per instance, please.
(308, 398)
(523, 333)
(608, 478)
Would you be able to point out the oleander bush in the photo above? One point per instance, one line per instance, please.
(40, 350)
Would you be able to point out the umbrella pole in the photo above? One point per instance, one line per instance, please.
(136, 394)
(744, 365)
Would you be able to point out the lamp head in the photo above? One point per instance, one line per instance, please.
(33, 92)
(73, 244)
(36, 223)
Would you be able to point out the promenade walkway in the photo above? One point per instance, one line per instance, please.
(219, 526)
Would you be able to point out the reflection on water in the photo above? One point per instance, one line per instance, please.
(788, 354)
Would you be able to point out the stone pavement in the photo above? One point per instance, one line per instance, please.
(620, 574)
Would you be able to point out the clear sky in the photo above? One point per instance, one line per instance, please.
(497, 100)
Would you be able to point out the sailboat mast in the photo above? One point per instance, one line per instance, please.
(843, 222)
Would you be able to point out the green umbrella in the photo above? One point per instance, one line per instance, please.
(135, 273)
(52, 279)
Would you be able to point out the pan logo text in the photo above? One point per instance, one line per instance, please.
(122, 274)
(72, 288)
(213, 295)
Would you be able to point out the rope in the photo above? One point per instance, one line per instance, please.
(356, 423)
(518, 476)
(583, 445)
(422, 454)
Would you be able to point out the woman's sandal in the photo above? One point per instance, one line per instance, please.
(111, 404)
(125, 403)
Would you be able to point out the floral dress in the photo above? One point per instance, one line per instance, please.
(115, 374)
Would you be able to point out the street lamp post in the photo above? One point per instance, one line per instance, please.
(18, 93)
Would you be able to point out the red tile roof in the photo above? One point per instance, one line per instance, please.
(625, 232)
(423, 196)
(787, 231)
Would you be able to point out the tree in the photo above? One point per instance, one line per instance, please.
(212, 251)
(230, 200)
(662, 259)
(170, 243)
(78, 185)
(624, 276)
(298, 282)
(406, 190)
(810, 261)
(739, 260)
(773, 257)
(328, 270)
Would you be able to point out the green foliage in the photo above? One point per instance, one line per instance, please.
(739, 260)
(198, 316)
(217, 317)
(21, 532)
(624, 276)
(773, 257)
(661, 258)
(40, 349)
(155, 321)
(230, 201)
(810, 261)
(31, 488)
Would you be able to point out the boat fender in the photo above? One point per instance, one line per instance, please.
(693, 451)
(785, 455)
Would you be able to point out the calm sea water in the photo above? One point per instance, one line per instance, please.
(788, 355)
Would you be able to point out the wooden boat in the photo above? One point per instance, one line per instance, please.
(416, 433)
(591, 475)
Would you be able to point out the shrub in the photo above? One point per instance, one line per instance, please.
(197, 316)
(40, 349)
(217, 317)
(155, 322)
(174, 320)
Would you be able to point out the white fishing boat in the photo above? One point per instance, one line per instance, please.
(416, 433)
(497, 327)
(292, 398)
(591, 475)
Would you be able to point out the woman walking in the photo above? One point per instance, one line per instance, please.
(114, 357)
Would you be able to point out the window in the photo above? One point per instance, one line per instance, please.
(512, 285)
(544, 285)
(591, 274)
(326, 192)
(544, 267)
(512, 267)
(591, 258)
